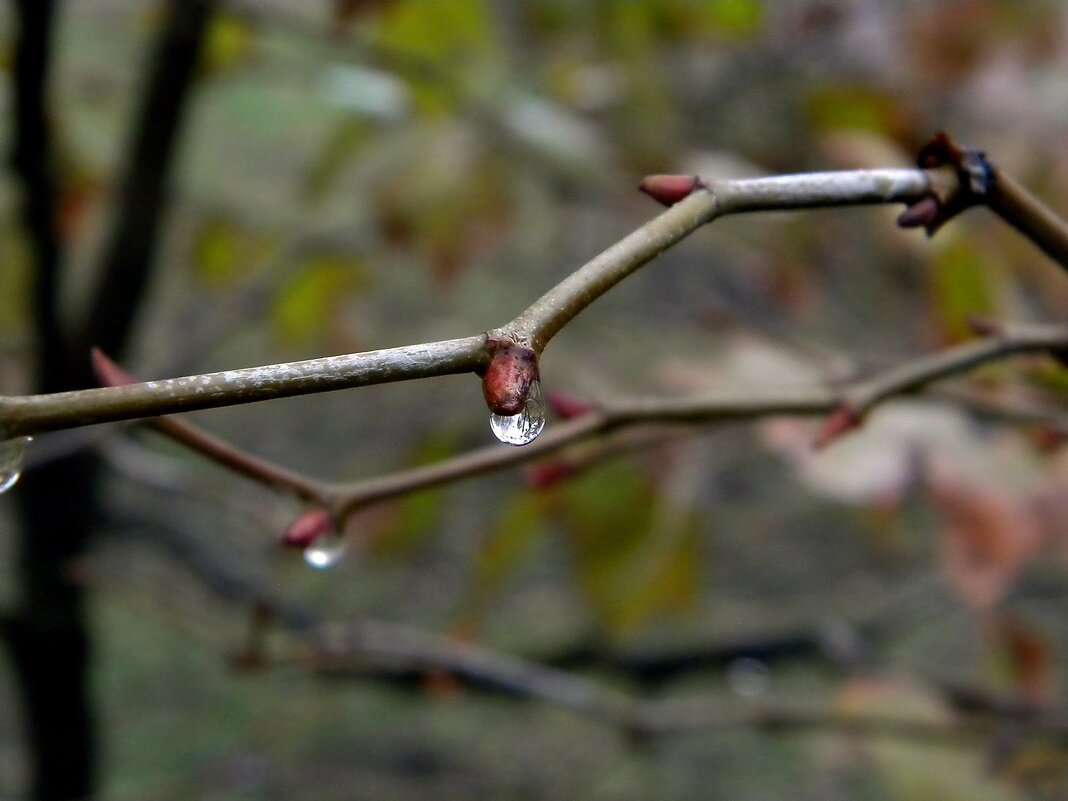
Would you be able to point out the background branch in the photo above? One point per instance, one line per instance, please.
(854, 400)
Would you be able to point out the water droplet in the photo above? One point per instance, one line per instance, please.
(12, 458)
(326, 551)
(748, 677)
(522, 428)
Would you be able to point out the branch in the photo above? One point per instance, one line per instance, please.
(853, 401)
(34, 166)
(33, 414)
(389, 651)
(708, 199)
(1030, 216)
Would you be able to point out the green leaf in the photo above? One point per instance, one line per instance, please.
(736, 18)
(963, 287)
(519, 524)
(230, 41)
(445, 42)
(223, 253)
(854, 107)
(345, 142)
(635, 556)
(418, 514)
(306, 308)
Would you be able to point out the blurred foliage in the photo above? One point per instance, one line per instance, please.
(365, 174)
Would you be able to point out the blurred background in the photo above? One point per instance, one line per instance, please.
(358, 175)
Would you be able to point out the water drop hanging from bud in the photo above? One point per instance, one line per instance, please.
(12, 458)
(326, 551)
(522, 428)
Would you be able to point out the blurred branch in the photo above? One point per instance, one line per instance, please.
(144, 186)
(375, 650)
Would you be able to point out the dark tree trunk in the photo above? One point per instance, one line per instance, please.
(58, 503)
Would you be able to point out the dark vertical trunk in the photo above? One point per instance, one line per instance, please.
(46, 634)
(59, 506)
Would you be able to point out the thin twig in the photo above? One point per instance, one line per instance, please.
(33, 414)
(858, 398)
(713, 198)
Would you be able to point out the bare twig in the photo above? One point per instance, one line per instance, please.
(854, 400)
(1030, 216)
(710, 199)
(33, 414)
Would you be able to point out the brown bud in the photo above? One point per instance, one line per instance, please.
(507, 380)
(985, 326)
(669, 189)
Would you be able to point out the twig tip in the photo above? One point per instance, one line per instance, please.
(669, 189)
(841, 421)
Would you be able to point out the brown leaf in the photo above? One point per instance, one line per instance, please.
(988, 535)
(1030, 661)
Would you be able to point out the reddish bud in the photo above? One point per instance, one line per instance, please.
(1049, 438)
(507, 380)
(985, 326)
(567, 406)
(669, 189)
(548, 474)
(311, 525)
(841, 421)
(924, 213)
(107, 372)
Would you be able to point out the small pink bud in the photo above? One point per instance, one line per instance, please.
(669, 189)
(310, 525)
(567, 406)
(841, 421)
(548, 474)
(924, 213)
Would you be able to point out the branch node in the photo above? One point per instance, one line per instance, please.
(507, 382)
(976, 178)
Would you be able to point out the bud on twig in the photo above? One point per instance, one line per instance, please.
(669, 189)
(841, 421)
(506, 384)
(567, 406)
(312, 524)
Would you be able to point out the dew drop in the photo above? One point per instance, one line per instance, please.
(12, 458)
(522, 428)
(748, 677)
(326, 551)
